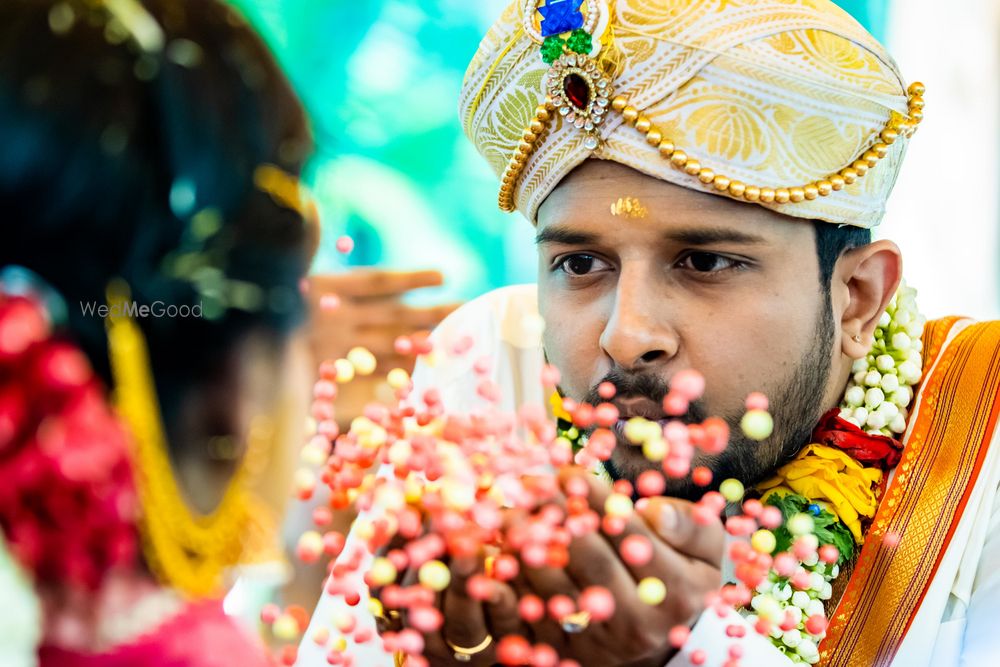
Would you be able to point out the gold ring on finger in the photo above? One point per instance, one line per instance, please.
(464, 654)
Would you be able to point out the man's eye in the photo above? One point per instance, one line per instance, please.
(581, 265)
(708, 262)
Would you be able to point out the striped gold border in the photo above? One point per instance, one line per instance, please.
(940, 464)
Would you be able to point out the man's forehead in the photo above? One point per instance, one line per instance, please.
(588, 202)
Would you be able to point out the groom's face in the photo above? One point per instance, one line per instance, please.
(699, 281)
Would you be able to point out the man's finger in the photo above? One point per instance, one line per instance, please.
(464, 617)
(369, 283)
(501, 612)
(673, 521)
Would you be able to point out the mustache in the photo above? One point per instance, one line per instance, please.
(643, 385)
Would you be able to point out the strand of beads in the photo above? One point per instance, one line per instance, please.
(530, 140)
(881, 389)
(897, 126)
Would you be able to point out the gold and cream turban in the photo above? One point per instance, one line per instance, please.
(789, 104)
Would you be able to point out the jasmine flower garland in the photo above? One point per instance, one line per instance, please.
(881, 387)
(824, 532)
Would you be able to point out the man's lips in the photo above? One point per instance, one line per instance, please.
(637, 407)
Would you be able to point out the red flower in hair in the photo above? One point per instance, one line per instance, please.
(68, 505)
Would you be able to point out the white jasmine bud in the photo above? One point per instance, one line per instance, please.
(826, 592)
(889, 384)
(874, 398)
(898, 424)
(876, 420)
(855, 396)
(791, 638)
(813, 608)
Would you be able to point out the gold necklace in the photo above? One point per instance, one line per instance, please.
(187, 551)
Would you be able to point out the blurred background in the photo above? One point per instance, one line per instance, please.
(380, 79)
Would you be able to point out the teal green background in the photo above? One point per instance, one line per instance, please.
(380, 80)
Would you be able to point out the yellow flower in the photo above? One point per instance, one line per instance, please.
(558, 411)
(830, 478)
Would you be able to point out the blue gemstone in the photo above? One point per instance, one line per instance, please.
(559, 16)
(815, 509)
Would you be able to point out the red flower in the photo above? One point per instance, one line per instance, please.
(867, 449)
(68, 505)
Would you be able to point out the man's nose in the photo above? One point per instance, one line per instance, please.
(639, 335)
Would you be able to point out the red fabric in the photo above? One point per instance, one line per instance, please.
(868, 450)
(200, 636)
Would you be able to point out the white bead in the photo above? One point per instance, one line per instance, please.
(885, 363)
(859, 365)
(816, 581)
(782, 592)
(873, 378)
(800, 599)
(834, 571)
(845, 413)
(885, 320)
(861, 415)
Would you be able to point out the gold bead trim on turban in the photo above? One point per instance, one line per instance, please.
(897, 126)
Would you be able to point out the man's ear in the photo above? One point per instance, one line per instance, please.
(864, 281)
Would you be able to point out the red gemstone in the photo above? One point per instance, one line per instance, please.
(577, 91)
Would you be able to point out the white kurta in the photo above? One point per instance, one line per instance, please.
(958, 622)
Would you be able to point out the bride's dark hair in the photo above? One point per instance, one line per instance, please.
(129, 143)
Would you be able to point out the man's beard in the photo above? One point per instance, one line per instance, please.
(796, 408)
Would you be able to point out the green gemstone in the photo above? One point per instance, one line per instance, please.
(552, 48)
(580, 41)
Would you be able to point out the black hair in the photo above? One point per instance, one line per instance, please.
(832, 241)
(128, 149)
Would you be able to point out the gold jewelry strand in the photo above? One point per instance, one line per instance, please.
(530, 139)
(897, 126)
(187, 551)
